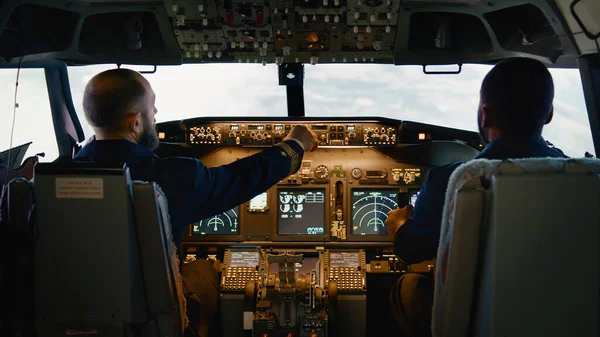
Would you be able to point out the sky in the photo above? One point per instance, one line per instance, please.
(401, 92)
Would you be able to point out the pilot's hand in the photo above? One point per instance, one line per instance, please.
(396, 219)
(305, 136)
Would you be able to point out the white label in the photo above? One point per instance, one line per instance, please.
(79, 188)
(248, 319)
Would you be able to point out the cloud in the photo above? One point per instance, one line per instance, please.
(372, 90)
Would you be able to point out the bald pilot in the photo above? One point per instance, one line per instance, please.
(119, 105)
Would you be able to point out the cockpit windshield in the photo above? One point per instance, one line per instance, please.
(202, 90)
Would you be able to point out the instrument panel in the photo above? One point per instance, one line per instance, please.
(338, 195)
(331, 212)
(363, 168)
(342, 192)
(269, 133)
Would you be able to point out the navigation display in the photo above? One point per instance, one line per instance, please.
(370, 208)
(244, 259)
(301, 211)
(226, 223)
(344, 259)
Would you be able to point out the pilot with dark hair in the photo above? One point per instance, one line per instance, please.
(119, 105)
(515, 103)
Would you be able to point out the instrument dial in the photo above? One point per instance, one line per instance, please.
(356, 173)
(321, 172)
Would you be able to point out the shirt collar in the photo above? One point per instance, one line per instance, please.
(505, 145)
(119, 148)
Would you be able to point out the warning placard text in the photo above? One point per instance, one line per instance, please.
(79, 188)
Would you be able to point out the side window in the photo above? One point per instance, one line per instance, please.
(33, 118)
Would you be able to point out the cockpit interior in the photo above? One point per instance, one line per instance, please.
(88, 251)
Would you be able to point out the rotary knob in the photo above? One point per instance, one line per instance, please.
(352, 135)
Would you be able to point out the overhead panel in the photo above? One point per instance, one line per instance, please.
(285, 31)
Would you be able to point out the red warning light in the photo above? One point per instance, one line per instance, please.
(259, 18)
(229, 18)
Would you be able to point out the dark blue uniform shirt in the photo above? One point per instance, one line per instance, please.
(417, 240)
(193, 191)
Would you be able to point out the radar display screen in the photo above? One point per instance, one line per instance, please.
(244, 259)
(226, 223)
(370, 208)
(344, 259)
(301, 211)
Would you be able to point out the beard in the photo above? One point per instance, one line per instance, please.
(149, 137)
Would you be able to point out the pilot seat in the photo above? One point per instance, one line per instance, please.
(518, 253)
(105, 262)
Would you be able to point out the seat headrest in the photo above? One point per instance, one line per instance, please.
(472, 171)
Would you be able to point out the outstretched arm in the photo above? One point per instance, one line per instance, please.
(221, 188)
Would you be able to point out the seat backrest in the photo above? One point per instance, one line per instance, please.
(101, 255)
(160, 261)
(511, 232)
(16, 258)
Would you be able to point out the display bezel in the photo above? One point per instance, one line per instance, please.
(237, 210)
(265, 210)
(350, 222)
(191, 237)
(302, 237)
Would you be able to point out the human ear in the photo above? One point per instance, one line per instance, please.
(550, 116)
(134, 122)
(487, 119)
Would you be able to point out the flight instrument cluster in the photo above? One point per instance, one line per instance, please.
(311, 256)
(339, 194)
(270, 133)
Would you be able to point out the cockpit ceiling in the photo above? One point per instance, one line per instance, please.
(419, 32)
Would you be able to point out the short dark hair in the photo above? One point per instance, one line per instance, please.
(109, 95)
(519, 93)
